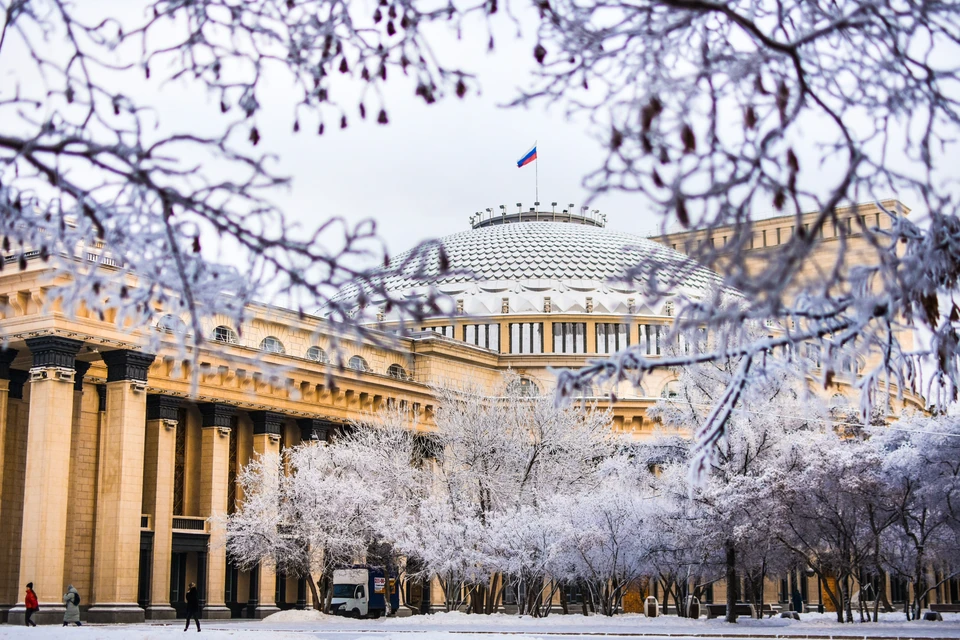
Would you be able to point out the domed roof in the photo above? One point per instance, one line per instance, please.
(527, 261)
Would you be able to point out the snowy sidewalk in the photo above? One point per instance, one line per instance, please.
(298, 625)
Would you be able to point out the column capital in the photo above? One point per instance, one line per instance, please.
(17, 380)
(82, 368)
(311, 428)
(216, 414)
(160, 407)
(54, 351)
(266, 422)
(124, 364)
(6, 357)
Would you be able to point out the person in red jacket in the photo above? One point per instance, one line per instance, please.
(31, 604)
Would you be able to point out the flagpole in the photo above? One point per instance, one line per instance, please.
(537, 174)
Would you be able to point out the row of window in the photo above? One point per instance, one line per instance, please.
(568, 337)
(271, 344)
(780, 235)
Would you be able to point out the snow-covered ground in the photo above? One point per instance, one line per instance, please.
(298, 625)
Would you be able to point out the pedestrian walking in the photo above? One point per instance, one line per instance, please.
(31, 604)
(72, 601)
(193, 606)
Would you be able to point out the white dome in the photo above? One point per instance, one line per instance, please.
(528, 261)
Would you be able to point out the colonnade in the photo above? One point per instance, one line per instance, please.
(87, 487)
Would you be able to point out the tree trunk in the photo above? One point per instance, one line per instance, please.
(328, 599)
(731, 582)
(495, 581)
(313, 593)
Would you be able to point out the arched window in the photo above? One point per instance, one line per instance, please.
(524, 387)
(358, 364)
(271, 344)
(317, 355)
(398, 372)
(225, 334)
(670, 390)
(172, 324)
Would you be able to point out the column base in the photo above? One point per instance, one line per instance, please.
(115, 613)
(160, 612)
(48, 614)
(263, 611)
(215, 612)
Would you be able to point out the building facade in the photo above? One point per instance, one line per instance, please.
(114, 467)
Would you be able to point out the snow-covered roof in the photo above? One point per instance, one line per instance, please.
(528, 261)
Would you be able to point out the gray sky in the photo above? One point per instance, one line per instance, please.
(426, 172)
(432, 166)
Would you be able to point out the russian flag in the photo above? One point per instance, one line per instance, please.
(528, 157)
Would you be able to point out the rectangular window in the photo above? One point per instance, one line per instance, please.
(612, 337)
(483, 335)
(526, 337)
(179, 461)
(569, 337)
(446, 330)
(650, 338)
(898, 589)
(232, 468)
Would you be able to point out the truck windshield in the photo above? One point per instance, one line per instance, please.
(343, 590)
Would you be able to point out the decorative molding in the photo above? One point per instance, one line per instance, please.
(82, 368)
(217, 414)
(266, 422)
(6, 357)
(54, 351)
(18, 378)
(124, 364)
(161, 407)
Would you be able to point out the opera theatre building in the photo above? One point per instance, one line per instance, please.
(112, 468)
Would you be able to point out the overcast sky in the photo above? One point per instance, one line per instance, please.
(433, 166)
(426, 172)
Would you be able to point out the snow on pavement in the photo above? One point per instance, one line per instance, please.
(298, 625)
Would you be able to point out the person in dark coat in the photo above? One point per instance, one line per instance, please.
(193, 606)
(31, 605)
(797, 601)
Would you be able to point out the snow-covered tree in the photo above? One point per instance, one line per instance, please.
(335, 501)
(921, 473)
(833, 510)
(500, 457)
(731, 486)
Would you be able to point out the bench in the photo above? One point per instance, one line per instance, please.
(770, 610)
(720, 610)
(945, 608)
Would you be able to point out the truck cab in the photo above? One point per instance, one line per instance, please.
(358, 592)
(350, 598)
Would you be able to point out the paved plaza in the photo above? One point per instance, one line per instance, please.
(295, 625)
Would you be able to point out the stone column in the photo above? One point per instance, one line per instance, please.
(214, 474)
(158, 462)
(116, 558)
(8, 592)
(12, 477)
(266, 442)
(48, 475)
(6, 357)
(82, 496)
